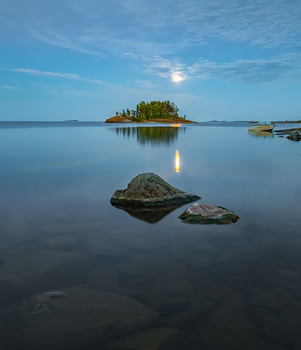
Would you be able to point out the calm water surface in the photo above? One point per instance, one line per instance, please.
(78, 273)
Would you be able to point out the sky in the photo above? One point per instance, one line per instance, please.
(86, 60)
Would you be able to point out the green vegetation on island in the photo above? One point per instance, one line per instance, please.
(161, 111)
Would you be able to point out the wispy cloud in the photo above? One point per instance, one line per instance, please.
(250, 71)
(246, 71)
(159, 66)
(165, 37)
(158, 27)
(9, 87)
(162, 67)
(256, 22)
(55, 39)
(130, 55)
(6, 21)
(259, 22)
(70, 76)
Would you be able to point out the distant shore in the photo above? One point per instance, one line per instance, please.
(287, 122)
(120, 119)
(123, 119)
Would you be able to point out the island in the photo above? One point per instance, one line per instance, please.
(151, 112)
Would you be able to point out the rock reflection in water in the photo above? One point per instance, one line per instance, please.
(150, 215)
(153, 135)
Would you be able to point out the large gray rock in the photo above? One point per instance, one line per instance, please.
(150, 190)
(74, 318)
(202, 213)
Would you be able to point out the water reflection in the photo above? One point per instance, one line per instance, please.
(150, 215)
(261, 133)
(177, 162)
(152, 135)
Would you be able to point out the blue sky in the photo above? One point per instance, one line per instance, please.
(85, 60)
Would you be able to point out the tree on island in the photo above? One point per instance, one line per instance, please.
(152, 110)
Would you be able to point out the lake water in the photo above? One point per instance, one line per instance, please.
(78, 273)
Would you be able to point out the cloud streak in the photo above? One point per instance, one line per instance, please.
(9, 87)
(55, 39)
(69, 76)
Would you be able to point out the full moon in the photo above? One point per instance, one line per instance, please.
(176, 77)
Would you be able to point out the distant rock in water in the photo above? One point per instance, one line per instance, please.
(120, 119)
(202, 213)
(295, 135)
(150, 190)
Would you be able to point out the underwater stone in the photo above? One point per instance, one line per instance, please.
(75, 318)
(150, 339)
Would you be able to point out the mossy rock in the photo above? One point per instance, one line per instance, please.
(202, 213)
(150, 190)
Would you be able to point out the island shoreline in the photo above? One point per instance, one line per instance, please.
(118, 119)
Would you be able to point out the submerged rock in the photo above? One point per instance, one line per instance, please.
(150, 339)
(150, 190)
(25, 270)
(75, 318)
(202, 213)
